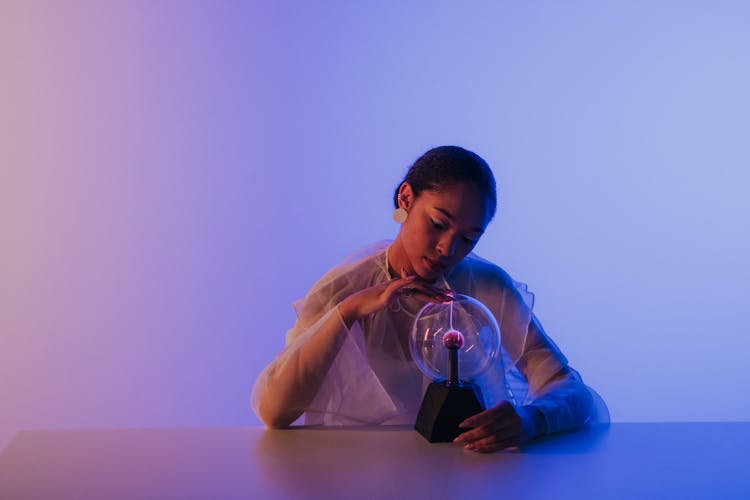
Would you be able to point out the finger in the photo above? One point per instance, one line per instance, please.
(397, 283)
(509, 438)
(447, 292)
(497, 419)
(395, 288)
(493, 446)
(509, 435)
(436, 291)
(429, 295)
(502, 410)
(494, 429)
(421, 291)
(496, 439)
(427, 291)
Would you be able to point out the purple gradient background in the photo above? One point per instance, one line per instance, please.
(174, 174)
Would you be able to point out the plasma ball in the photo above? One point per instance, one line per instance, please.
(453, 339)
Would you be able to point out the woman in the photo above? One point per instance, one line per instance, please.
(347, 360)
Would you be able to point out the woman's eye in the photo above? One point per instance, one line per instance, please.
(437, 224)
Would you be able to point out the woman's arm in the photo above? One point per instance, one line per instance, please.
(561, 401)
(558, 398)
(290, 383)
(558, 391)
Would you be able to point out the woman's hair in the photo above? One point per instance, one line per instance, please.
(447, 166)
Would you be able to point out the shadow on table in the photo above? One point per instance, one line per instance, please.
(584, 440)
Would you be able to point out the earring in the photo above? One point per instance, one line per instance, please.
(399, 215)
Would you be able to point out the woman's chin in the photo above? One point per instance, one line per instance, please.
(429, 270)
(426, 274)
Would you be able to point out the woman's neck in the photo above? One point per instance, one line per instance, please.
(397, 259)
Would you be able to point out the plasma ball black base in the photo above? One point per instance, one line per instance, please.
(444, 407)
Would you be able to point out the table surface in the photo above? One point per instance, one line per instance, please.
(654, 460)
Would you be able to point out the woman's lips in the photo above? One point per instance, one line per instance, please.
(434, 266)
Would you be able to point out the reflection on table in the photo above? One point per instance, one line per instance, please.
(707, 460)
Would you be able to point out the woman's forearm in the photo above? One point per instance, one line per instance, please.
(565, 402)
(289, 384)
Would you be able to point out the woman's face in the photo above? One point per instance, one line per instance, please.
(442, 227)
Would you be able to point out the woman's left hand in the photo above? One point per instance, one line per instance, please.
(500, 428)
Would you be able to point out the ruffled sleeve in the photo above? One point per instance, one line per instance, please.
(323, 370)
(536, 373)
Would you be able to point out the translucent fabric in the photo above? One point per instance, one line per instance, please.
(364, 374)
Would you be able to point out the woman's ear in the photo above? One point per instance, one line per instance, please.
(405, 199)
(405, 196)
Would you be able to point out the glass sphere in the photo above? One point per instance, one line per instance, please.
(463, 324)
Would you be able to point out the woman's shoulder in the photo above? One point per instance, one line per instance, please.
(356, 270)
(366, 254)
(487, 277)
(362, 263)
(483, 270)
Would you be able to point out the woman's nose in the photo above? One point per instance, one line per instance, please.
(447, 247)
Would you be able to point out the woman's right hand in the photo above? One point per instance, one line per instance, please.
(377, 297)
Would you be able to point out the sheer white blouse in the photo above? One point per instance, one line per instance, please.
(336, 375)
